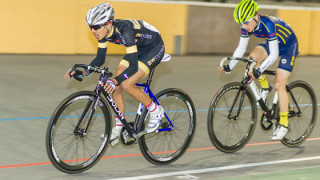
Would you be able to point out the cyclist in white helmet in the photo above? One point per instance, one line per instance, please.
(144, 51)
(280, 42)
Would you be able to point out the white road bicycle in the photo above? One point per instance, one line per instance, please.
(232, 114)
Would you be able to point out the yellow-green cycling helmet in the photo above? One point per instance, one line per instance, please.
(245, 10)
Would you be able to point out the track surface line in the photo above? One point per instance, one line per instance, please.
(139, 154)
(222, 168)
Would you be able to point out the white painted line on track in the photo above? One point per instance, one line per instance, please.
(197, 171)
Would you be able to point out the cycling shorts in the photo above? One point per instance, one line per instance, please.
(287, 53)
(148, 57)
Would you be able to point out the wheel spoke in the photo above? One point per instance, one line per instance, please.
(167, 146)
(300, 126)
(75, 149)
(230, 134)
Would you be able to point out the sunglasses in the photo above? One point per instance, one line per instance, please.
(246, 22)
(95, 27)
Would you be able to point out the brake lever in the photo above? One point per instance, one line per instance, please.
(75, 75)
(77, 78)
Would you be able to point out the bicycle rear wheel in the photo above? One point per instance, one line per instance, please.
(229, 131)
(302, 114)
(167, 146)
(68, 148)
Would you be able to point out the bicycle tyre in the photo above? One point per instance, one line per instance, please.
(230, 135)
(71, 153)
(165, 147)
(301, 125)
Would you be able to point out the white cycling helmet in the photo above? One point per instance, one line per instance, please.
(100, 14)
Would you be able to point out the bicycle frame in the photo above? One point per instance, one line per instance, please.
(269, 113)
(232, 114)
(133, 132)
(247, 80)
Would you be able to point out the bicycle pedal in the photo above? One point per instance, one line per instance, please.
(137, 136)
(125, 136)
(114, 142)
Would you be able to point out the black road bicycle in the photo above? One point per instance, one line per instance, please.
(232, 114)
(79, 130)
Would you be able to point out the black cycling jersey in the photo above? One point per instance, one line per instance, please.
(143, 43)
(133, 32)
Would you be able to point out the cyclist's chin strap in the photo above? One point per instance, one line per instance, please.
(258, 23)
(105, 26)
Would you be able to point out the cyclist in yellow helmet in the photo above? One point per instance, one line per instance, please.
(280, 42)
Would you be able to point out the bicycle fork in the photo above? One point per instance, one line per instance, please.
(242, 92)
(83, 132)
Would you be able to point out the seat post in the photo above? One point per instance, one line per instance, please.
(165, 58)
(149, 79)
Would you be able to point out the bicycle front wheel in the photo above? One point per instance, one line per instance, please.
(70, 148)
(302, 113)
(176, 130)
(232, 117)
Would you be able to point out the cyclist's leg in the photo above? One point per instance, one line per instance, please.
(283, 102)
(156, 112)
(117, 94)
(118, 99)
(281, 80)
(260, 53)
(283, 72)
(129, 87)
(149, 58)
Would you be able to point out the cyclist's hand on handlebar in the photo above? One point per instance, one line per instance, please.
(67, 76)
(255, 74)
(110, 86)
(78, 73)
(224, 70)
(221, 70)
(251, 75)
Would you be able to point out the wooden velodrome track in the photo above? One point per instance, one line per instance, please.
(31, 86)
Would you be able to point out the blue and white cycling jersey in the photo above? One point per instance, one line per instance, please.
(272, 28)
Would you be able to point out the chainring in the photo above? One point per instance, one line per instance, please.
(265, 123)
(125, 137)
